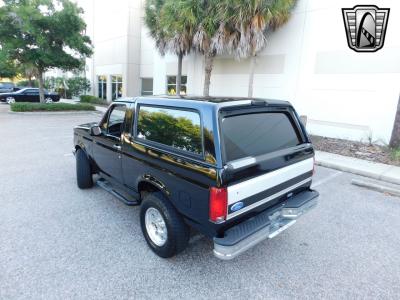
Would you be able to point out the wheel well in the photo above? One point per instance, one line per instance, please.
(146, 187)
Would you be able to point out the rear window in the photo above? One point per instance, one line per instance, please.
(257, 134)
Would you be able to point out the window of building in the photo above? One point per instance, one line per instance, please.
(179, 129)
(147, 86)
(102, 86)
(116, 86)
(171, 85)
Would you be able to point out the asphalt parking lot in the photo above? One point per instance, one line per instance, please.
(59, 242)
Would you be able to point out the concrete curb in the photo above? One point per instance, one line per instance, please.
(376, 187)
(69, 112)
(383, 172)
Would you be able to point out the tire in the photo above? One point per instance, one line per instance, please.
(178, 232)
(48, 100)
(83, 170)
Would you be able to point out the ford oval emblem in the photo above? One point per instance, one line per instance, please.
(237, 206)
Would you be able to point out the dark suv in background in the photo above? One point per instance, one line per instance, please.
(237, 170)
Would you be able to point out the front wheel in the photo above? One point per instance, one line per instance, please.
(163, 228)
(83, 170)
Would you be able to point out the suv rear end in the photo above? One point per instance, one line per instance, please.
(268, 164)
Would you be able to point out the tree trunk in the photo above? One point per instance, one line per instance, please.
(179, 77)
(253, 62)
(395, 138)
(209, 63)
(30, 82)
(41, 86)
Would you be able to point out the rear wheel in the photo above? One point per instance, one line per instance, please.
(163, 228)
(83, 170)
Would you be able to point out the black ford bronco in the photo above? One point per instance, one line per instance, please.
(238, 170)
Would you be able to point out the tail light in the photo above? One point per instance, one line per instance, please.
(218, 204)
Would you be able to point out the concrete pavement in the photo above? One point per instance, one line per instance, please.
(383, 172)
(60, 242)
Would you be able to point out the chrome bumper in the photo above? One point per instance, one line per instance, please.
(267, 224)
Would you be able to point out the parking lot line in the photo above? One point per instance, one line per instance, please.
(326, 179)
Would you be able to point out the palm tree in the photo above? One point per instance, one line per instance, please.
(178, 20)
(205, 39)
(171, 24)
(247, 23)
(152, 20)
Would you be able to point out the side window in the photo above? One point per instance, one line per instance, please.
(113, 122)
(31, 92)
(180, 129)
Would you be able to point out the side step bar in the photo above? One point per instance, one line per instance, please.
(105, 185)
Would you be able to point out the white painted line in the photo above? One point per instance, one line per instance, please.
(68, 154)
(326, 179)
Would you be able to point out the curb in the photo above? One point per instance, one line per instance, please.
(376, 187)
(53, 112)
(378, 171)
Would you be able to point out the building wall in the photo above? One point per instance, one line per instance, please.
(344, 94)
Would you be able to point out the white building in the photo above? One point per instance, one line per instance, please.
(345, 94)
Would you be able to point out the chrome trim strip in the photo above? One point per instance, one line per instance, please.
(247, 208)
(238, 192)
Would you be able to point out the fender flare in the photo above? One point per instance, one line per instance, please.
(158, 184)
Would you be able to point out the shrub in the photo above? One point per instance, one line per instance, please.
(92, 100)
(26, 106)
(78, 85)
(25, 83)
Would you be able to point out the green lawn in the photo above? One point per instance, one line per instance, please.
(26, 106)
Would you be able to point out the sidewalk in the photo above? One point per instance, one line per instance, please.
(98, 108)
(357, 166)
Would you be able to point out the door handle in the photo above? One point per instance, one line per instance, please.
(116, 146)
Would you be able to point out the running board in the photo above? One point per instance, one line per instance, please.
(105, 185)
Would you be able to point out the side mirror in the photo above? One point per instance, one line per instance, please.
(95, 130)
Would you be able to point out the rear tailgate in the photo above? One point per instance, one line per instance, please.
(267, 157)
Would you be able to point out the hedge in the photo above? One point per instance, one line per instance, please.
(92, 100)
(26, 106)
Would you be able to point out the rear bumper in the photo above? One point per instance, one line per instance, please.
(267, 224)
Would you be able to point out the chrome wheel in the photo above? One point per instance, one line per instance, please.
(10, 100)
(156, 227)
(49, 100)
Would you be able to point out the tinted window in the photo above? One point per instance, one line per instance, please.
(172, 127)
(113, 124)
(31, 92)
(256, 134)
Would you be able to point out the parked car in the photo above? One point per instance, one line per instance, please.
(237, 170)
(28, 95)
(6, 87)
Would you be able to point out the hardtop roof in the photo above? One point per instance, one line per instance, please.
(211, 100)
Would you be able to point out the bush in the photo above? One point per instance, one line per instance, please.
(26, 106)
(92, 100)
(78, 85)
(25, 83)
